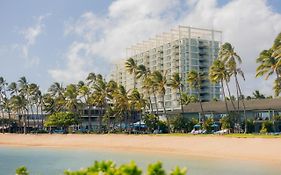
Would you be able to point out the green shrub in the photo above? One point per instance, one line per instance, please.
(277, 117)
(155, 169)
(151, 121)
(207, 125)
(267, 126)
(250, 126)
(180, 123)
(110, 168)
(22, 171)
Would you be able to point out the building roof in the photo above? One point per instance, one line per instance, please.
(219, 106)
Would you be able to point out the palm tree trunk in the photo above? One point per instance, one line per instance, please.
(231, 100)
(238, 96)
(225, 101)
(200, 102)
(165, 113)
(89, 119)
(244, 107)
(155, 101)
(42, 119)
(181, 101)
(2, 121)
(24, 122)
(150, 104)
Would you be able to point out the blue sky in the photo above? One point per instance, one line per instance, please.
(49, 41)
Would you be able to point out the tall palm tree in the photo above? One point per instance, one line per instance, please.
(122, 104)
(3, 94)
(270, 63)
(194, 80)
(160, 81)
(23, 94)
(176, 84)
(218, 74)
(18, 104)
(100, 96)
(228, 55)
(145, 74)
(71, 98)
(56, 90)
(132, 68)
(85, 93)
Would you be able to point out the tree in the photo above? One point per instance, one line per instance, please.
(132, 68)
(258, 95)
(218, 74)
(160, 81)
(85, 93)
(187, 99)
(121, 104)
(270, 63)
(23, 92)
(61, 119)
(149, 87)
(71, 102)
(176, 84)
(228, 55)
(194, 80)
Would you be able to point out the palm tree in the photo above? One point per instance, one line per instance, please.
(149, 87)
(145, 74)
(160, 81)
(194, 80)
(3, 95)
(132, 67)
(176, 84)
(187, 99)
(23, 94)
(56, 92)
(270, 63)
(71, 98)
(18, 104)
(138, 102)
(228, 55)
(100, 96)
(121, 104)
(218, 74)
(85, 93)
(91, 78)
(258, 95)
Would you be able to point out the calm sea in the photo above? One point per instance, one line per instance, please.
(49, 161)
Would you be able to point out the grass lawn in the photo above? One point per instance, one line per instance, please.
(226, 135)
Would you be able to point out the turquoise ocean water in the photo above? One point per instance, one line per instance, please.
(52, 161)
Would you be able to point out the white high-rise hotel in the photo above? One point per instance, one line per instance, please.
(180, 50)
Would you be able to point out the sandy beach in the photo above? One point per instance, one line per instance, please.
(257, 149)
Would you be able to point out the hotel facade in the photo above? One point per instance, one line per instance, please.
(180, 50)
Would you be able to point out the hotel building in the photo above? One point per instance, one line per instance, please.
(180, 50)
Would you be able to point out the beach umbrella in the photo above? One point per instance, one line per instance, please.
(214, 125)
(197, 126)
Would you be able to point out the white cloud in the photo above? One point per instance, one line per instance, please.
(30, 35)
(249, 25)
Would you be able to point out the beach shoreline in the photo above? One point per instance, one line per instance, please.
(205, 147)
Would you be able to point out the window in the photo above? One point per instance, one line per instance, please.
(193, 42)
(194, 55)
(194, 62)
(194, 49)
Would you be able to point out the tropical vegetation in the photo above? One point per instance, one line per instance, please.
(118, 108)
(110, 168)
